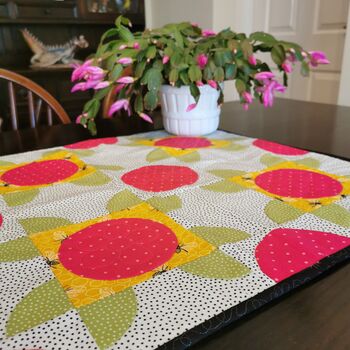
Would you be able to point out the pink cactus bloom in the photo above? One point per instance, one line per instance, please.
(126, 80)
(136, 46)
(85, 85)
(245, 106)
(190, 107)
(123, 47)
(287, 67)
(213, 84)
(207, 32)
(102, 85)
(79, 70)
(146, 117)
(165, 59)
(318, 57)
(199, 83)
(291, 57)
(247, 97)
(194, 24)
(79, 117)
(124, 60)
(268, 91)
(88, 72)
(118, 105)
(264, 75)
(202, 60)
(252, 60)
(118, 88)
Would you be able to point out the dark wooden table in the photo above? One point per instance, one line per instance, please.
(313, 317)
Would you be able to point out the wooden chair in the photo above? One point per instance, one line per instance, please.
(34, 104)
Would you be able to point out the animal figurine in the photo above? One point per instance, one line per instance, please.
(50, 55)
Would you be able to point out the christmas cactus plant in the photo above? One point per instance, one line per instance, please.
(184, 54)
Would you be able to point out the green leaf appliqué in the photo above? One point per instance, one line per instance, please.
(280, 212)
(224, 186)
(95, 179)
(189, 157)
(157, 154)
(42, 304)
(18, 249)
(334, 213)
(109, 318)
(19, 198)
(40, 224)
(122, 200)
(219, 235)
(165, 204)
(226, 173)
(269, 160)
(216, 265)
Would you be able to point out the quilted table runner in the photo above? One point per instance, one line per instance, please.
(130, 242)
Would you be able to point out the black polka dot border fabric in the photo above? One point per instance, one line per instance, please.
(135, 242)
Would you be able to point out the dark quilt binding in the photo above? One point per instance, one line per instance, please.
(254, 304)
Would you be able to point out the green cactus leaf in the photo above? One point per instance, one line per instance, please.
(216, 265)
(334, 213)
(309, 162)
(165, 204)
(219, 235)
(269, 160)
(190, 157)
(19, 249)
(107, 167)
(42, 304)
(280, 212)
(227, 173)
(157, 154)
(21, 197)
(109, 318)
(224, 186)
(95, 179)
(40, 224)
(122, 200)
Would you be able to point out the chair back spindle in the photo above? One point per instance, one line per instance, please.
(36, 96)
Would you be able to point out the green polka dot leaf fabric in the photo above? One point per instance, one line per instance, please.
(129, 242)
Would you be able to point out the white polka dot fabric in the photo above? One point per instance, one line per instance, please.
(186, 181)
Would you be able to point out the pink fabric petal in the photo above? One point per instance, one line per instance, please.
(284, 252)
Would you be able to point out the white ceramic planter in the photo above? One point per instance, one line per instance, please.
(202, 120)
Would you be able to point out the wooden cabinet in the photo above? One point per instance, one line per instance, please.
(100, 10)
(55, 22)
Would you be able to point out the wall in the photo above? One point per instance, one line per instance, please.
(160, 12)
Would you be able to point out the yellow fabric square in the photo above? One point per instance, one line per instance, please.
(82, 291)
(78, 169)
(307, 205)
